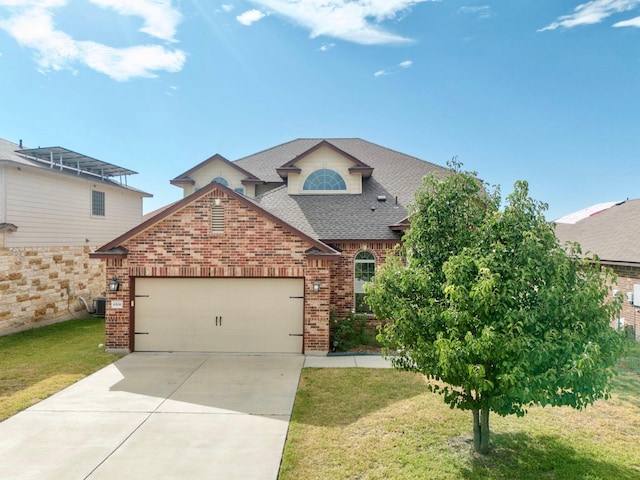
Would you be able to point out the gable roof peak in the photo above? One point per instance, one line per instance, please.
(325, 143)
(116, 244)
(186, 176)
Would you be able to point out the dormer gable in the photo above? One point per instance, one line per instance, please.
(324, 169)
(217, 169)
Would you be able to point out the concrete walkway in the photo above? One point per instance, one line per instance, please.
(164, 416)
(346, 361)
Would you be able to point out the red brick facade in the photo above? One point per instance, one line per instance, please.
(628, 277)
(342, 282)
(251, 245)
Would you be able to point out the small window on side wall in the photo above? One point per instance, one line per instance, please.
(97, 203)
(364, 271)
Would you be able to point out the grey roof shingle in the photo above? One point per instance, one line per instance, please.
(344, 217)
(613, 234)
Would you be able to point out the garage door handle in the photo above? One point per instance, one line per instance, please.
(218, 320)
(142, 333)
(296, 297)
(296, 335)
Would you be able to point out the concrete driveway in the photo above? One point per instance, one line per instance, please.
(159, 416)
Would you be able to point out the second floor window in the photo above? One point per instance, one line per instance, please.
(97, 203)
(324, 179)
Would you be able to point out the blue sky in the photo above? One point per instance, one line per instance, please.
(539, 90)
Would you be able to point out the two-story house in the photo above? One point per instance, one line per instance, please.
(261, 250)
(56, 206)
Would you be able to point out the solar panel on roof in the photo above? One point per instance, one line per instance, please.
(58, 157)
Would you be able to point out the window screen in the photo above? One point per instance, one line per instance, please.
(97, 203)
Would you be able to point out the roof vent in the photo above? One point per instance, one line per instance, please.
(382, 198)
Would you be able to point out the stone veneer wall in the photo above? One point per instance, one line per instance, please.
(41, 285)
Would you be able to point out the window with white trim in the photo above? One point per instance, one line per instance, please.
(364, 270)
(324, 179)
(97, 203)
(221, 181)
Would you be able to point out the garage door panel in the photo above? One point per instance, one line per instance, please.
(223, 315)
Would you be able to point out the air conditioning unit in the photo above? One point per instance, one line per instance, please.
(99, 306)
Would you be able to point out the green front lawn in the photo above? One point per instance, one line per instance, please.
(383, 424)
(375, 424)
(37, 363)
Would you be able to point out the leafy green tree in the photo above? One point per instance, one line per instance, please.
(487, 304)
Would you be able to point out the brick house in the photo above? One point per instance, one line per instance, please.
(56, 207)
(260, 251)
(610, 230)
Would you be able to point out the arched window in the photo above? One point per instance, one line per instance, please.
(364, 270)
(324, 179)
(221, 181)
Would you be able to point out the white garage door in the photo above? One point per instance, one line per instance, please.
(219, 315)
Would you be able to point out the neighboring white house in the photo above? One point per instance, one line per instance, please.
(56, 206)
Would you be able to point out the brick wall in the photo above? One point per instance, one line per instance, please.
(42, 285)
(627, 277)
(251, 245)
(342, 289)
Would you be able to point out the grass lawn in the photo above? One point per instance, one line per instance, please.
(382, 424)
(37, 363)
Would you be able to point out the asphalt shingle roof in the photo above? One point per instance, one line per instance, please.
(613, 234)
(344, 217)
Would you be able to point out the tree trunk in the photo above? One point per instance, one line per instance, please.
(481, 431)
(476, 430)
(484, 430)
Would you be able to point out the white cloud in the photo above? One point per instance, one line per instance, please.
(33, 3)
(326, 47)
(226, 8)
(632, 22)
(250, 16)
(126, 63)
(160, 18)
(391, 71)
(482, 12)
(593, 12)
(352, 20)
(31, 23)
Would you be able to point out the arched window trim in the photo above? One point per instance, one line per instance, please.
(221, 181)
(324, 180)
(364, 267)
